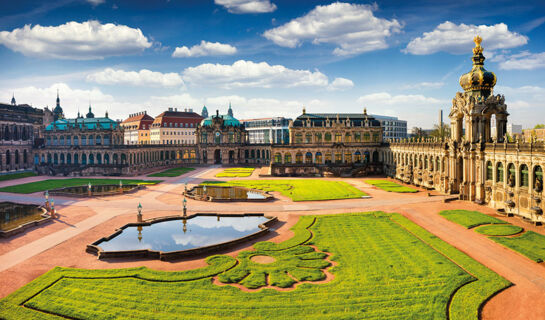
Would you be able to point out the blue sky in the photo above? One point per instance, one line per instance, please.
(269, 57)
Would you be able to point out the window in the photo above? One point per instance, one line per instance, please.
(287, 158)
(511, 175)
(338, 157)
(366, 136)
(277, 158)
(308, 158)
(318, 157)
(489, 170)
(357, 137)
(327, 137)
(523, 182)
(318, 137)
(338, 137)
(348, 137)
(308, 138)
(298, 157)
(298, 138)
(499, 172)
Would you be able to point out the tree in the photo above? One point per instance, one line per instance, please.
(418, 132)
(539, 126)
(440, 131)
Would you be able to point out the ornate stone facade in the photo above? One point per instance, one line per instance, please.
(20, 127)
(505, 175)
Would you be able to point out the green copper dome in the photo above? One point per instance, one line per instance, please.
(228, 121)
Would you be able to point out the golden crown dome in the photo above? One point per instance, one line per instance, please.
(478, 80)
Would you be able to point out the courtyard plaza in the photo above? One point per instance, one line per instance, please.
(82, 221)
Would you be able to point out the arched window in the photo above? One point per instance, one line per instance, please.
(91, 142)
(76, 140)
(91, 159)
(298, 157)
(287, 158)
(61, 141)
(308, 138)
(318, 137)
(348, 137)
(328, 158)
(357, 137)
(99, 140)
(338, 157)
(16, 156)
(318, 158)
(489, 170)
(308, 158)
(76, 160)
(538, 178)
(338, 137)
(523, 179)
(69, 158)
(366, 136)
(62, 158)
(357, 157)
(83, 140)
(277, 158)
(327, 137)
(298, 137)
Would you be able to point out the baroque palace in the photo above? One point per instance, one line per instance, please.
(474, 162)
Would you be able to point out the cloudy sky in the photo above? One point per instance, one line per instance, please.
(269, 57)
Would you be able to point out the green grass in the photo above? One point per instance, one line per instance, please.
(499, 230)
(19, 175)
(387, 268)
(61, 183)
(530, 244)
(469, 219)
(390, 186)
(172, 172)
(301, 189)
(236, 172)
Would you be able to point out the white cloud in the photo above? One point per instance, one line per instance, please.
(526, 104)
(458, 39)
(204, 49)
(71, 99)
(143, 77)
(340, 84)
(522, 61)
(352, 27)
(424, 85)
(73, 40)
(247, 6)
(250, 74)
(417, 109)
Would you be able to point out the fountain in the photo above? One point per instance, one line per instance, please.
(227, 193)
(96, 190)
(17, 217)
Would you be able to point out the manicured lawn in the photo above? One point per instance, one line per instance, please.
(11, 176)
(499, 230)
(172, 172)
(388, 268)
(390, 186)
(301, 189)
(530, 244)
(469, 219)
(61, 183)
(236, 172)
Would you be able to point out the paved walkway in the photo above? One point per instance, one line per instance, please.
(66, 247)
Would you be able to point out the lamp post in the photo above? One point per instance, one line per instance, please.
(89, 189)
(185, 207)
(47, 200)
(120, 186)
(185, 188)
(139, 215)
(52, 213)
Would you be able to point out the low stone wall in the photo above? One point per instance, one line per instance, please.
(94, 248)
(45, 218)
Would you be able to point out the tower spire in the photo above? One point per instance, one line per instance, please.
(13, 99)
(230, 111)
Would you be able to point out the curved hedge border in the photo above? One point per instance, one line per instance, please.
(499, 230)
(301, 234)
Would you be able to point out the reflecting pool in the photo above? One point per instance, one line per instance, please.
(226, 193)
(183, 234)
(13, 215)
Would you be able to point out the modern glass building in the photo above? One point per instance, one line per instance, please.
(392, 127)
(268, 130)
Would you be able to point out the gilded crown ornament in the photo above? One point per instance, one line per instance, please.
(478, 82)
